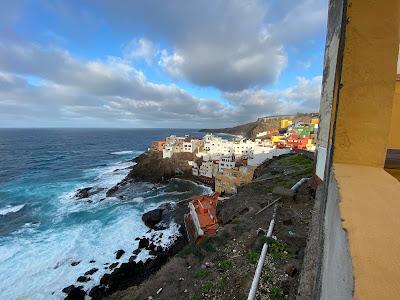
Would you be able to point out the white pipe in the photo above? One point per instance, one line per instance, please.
(299, 183)
(257, 275)
(261, 260)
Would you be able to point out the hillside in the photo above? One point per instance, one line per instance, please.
(250, 130)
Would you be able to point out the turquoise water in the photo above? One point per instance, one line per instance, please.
(43, 228)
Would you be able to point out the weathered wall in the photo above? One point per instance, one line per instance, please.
(337, 274)
(394, 136)
(367, 80)
(331, 59)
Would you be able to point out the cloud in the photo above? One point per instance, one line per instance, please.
(249, 104)
(72, 92)
(140, 49)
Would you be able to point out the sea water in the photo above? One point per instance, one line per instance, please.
(44, 228)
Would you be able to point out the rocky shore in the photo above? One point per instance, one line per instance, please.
(149, 167)
(135, 271)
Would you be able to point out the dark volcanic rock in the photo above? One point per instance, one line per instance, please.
(119, 253)
(133, 273)
(113, 265)
(92, 261)
(75, 263)
(87, 192)
(74, 293)
(83, 193)
(83, 279)
(91, 271)
(144, 242)
(153, 217)
(136, 252)
(132, 258)
(98, 292)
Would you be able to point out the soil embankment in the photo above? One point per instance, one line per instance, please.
(223, 267)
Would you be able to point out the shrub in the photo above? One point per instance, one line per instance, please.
(279, 250)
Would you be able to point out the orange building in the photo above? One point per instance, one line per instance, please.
(158, 145)
(201, 221)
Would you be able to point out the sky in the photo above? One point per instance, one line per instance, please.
(153, 64)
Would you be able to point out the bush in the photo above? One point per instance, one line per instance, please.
(279, 250)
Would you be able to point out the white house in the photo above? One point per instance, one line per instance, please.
(226, 162)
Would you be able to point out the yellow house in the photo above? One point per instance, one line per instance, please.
(231, 179)
(285, 123)
(314, 121)
(277, 138)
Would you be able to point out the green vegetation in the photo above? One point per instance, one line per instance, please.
(252, 256)
(276, 294)
(200, 273)
(269, 189)
(225, 265)
(221, 282)
(259, 243)
(196, 297)
(279, 249)
(266, 279)
(207, 287)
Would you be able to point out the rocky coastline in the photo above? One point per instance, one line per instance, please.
(148, 167)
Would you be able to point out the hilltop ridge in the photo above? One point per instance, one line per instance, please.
(251, 129)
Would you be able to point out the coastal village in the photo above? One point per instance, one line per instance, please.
(226, 164)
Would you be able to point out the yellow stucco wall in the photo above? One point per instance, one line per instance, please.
(394, 136)
(370, 210)
(368, 82)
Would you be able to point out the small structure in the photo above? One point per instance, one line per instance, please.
(201, 221)
(158, 145)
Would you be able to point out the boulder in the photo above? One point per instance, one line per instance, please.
(83, 279)
(113, 265)
(91, 271)
(143, 242)
(152, 218)
(74, 293)
(119, 253)
(75, 263)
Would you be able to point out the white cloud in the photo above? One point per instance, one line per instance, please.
(140, 49)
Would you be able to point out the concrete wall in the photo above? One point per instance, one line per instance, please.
(337, 276)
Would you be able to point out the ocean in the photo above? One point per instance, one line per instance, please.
(44, 229)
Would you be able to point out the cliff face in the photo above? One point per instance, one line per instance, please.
(250, 130)
(152, 167)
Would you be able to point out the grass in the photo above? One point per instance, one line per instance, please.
(207, 287)
(225, 265)
(276, 294)
(196, 297)
(279, 249)
(200, 273)
(252, 256)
